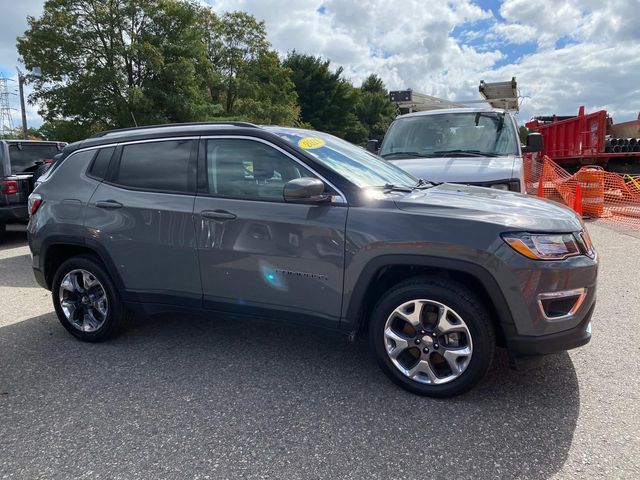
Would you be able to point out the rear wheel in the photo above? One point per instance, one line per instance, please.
(86, 300)
(432, 337)
(3, 231)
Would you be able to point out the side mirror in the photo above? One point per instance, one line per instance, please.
(304, 190)
(372, 146)
(535, 143)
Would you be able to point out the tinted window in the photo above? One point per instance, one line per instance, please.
(164, 166)
(249, 169)
(23, 156)
(101, 163)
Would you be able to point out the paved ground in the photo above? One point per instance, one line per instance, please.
(208, 398)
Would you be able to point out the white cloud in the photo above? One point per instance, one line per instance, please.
(445, 47)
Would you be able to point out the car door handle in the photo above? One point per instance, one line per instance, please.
(108, 204)
(218, 214)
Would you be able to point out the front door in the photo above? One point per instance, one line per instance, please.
(257, 253)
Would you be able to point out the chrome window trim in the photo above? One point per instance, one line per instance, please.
(339, 199)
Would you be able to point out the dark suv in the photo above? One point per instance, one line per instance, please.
(21, 162)
(300, 226)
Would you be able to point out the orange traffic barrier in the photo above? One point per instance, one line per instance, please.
(591, 181)
(591, 191)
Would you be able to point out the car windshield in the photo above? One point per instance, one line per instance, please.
(354, 163)
(440, 134)
(25, 157)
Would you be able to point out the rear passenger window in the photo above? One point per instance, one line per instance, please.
(101, 163)
(164, 166)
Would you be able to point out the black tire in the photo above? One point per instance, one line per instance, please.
(3, 231)
(465, 304)
(116, 313)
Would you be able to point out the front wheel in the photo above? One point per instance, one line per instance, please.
(86, 300)
(432, 337)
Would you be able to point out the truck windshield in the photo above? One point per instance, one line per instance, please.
(442, 134)
(25, 157)
(354, 163)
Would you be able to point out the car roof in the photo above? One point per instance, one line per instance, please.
(453, 110)
(150, 132)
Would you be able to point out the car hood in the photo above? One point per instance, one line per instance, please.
(512, 210)
(459, 169)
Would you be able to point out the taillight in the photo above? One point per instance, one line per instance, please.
(35, 200)
(8, 187)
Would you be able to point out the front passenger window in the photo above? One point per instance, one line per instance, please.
(249, 169)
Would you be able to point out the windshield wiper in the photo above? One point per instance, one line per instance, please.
(425, 183)
(403, 155)
(390, 187)
(467, 153)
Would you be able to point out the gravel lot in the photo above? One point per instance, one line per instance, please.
(193, 397)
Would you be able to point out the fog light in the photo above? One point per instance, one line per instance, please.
(561, 305)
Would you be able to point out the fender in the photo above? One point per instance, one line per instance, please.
(352, 318)
(89, 244)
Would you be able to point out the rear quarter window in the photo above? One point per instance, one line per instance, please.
(100, 164)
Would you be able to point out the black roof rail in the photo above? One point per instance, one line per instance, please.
(232, 123)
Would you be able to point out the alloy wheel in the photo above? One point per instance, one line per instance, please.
(83, 300)
(428, 341)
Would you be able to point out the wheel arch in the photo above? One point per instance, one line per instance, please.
(57, 250)
(383, 272)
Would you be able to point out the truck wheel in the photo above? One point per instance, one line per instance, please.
(3, 231)
(432, 337)
(86, 300)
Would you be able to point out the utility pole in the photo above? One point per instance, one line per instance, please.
(21, 78)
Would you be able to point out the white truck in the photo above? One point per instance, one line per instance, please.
(448, 142)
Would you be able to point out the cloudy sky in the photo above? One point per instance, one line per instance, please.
(563, 53)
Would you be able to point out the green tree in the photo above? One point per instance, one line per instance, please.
(234, 41)
(66, 130)
(266, 92)
(374, 109)
(523, 133)
(117, 62)
(327, 101)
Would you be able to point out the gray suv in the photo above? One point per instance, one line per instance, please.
(300, 226)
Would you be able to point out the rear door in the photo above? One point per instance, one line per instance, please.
(259, 254)
(142, 216)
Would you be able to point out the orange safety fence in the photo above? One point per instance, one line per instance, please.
(591, 191)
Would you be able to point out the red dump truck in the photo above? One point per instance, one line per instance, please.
(590, 139)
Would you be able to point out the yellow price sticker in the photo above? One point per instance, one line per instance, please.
(309, 143)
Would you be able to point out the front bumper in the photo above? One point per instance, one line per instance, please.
(525, 345)
(14, 213)
(529, 284)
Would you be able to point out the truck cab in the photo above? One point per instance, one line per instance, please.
(473, 146)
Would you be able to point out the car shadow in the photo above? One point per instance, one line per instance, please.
(188, 396)
(15, 236)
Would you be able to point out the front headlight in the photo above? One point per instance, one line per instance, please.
(544, 246)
